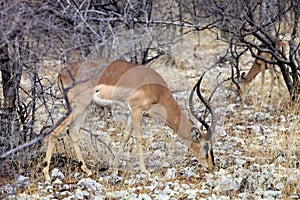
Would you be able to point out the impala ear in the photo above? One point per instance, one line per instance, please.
(196, 135)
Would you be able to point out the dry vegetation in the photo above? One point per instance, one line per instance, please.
(257, 140)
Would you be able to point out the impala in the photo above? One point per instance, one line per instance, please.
(138, 88)
(260, 64)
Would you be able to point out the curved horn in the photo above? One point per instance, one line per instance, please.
(210, 129)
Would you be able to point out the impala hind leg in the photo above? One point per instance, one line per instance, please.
(126, 137)
(137, 115)
(263, 69)
(73, 134)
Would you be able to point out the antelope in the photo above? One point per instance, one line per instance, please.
(260, 64)
(138, 88)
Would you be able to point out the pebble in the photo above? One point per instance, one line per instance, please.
(170, 174)
(274, 194)
(90, 184)
(56, 173)
(144, 197)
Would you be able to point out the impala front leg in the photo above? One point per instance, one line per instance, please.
(49, 152)
(126, 137)
(51, 143)
(273, 77)
(263, 69)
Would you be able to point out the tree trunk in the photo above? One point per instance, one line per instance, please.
(11, 77)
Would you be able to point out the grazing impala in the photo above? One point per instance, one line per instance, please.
(137, 88)
(260, 65)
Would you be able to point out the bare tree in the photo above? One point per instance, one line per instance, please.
(249, 24)
(37, 32)
(33, 32)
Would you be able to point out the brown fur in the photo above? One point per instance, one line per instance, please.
(260, 66)
(139, 88)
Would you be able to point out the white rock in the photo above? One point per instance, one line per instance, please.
(90, 184)
(246, 112)
(132, 190)
(240, 128)
(48, 197)
(69, 197)
(204, 191)
(66, 187)
(76, 175)
(165, 164)
(240, 161)
(144, 197)
(212, 197)
(192, 194)
(254, 128)
(279, 186)
(280, 159)
(272, 193)
(230, 109)
(262, 117)
(49, 188)
(140, 176)
(7, 189)
(188, 172)
(185, 186)
(57, 182)
(157, 146)
(66, 193)
(170, 174)
(282, 118)
(85, 193)
(162, 197)
(295, 196)
(56, 173)
(222, 197)
(226, 183)
(167, 191)
(117, 194)
(132, 197)
(99, 196)
(223, 133)
(22, 180)
(21, 196)
(78, 194)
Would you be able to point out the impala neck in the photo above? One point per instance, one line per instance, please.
(177, 120)
(254, 71)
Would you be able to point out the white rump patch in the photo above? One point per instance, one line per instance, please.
(108, 102)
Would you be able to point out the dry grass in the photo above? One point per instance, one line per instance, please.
(280, 138)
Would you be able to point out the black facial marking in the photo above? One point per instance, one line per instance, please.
(212, 156)
(206, 147)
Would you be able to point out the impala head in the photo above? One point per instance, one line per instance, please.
(243, 86)
(202, 145)
(203, 151)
